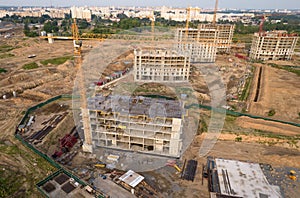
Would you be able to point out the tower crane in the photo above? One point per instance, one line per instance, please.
(261, 25)
(188, 18)
(87, 145)
(188, 15)
(215, 13)
(152, 19)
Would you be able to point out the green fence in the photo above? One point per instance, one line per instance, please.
(237, 114)
(46, 157)
(51, 161)
(33, 108)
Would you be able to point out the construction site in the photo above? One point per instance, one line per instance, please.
(135, 129)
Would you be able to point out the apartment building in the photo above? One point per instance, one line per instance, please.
(81, 13)
(223, 33)
(275, 45)
(205, 41)
(142, 124)
(161, 65)
(200, 43)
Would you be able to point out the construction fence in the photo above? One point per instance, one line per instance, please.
(238, 114)
(46, 157)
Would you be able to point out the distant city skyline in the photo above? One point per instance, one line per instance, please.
(239, 4)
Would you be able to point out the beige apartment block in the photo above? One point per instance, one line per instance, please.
(275, 45)
(206, 41)
(200, 44)
(223, 34)
(161, 65)
(137, 123)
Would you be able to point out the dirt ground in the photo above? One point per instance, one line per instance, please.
(249, 150)
(280, 90)
(32, 86)
(167, 181)
(269, 126)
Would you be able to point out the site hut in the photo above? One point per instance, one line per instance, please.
(142, 124)
(236, 179)
(275, 45)
(201, 50)
(160, 65)
(131, 180)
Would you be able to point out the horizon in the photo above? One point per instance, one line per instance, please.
(207, 8)
(206, 4)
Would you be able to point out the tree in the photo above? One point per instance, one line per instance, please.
(26, 27)
(51, 26)
(83, 24)
(122, 16)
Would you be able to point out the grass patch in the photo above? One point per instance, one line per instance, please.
(293, 69)
(246, 90)
(10, 150)
(2, 56)
(238, 139)
(203, 126)
(56, 61)
(10, 181)
(243, 38)
(271, 112)
(2, 70)
(32, 65)
(6, 48)
(230, 118)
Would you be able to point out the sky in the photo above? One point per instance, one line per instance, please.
(241, 4)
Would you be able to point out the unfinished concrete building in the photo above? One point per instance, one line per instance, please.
(137, 123)
(223, 33)
(205, 42)
(236, 179)
(275, 45)
(190, 40)
(161, 66)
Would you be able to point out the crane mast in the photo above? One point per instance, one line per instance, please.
(261, 25)
(87, 145)
(215, 13)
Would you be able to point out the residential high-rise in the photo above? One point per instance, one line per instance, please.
(275, 45)
(137, 123)
(161, 66)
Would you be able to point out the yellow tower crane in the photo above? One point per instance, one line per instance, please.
(87, 145)
(152, 19)
(188, 15)
(215, 13)
(188, 18)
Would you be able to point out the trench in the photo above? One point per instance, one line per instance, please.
(258, 85)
